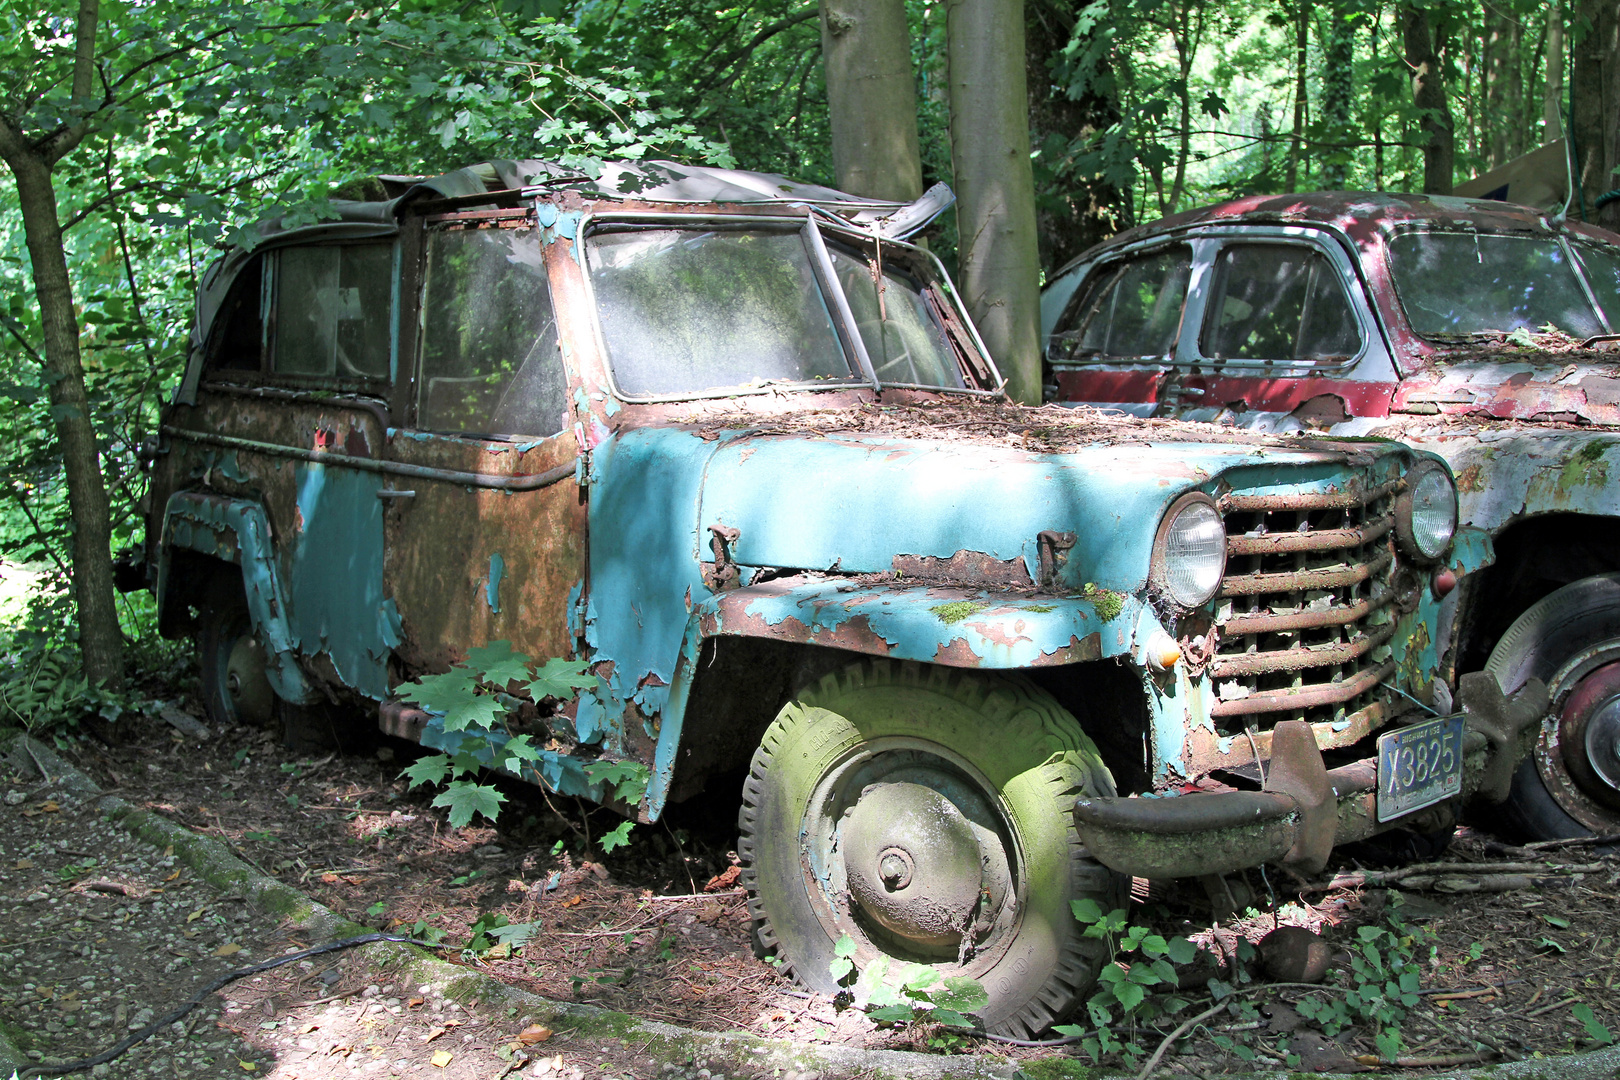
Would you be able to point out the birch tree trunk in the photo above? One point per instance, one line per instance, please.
(871, 98)
(999, 268)
(31, 162)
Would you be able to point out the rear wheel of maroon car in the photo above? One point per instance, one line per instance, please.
(925, 813)
(1570, 639)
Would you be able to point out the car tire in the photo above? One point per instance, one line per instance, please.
(888, 777)
(1569, 786)
(231, 661)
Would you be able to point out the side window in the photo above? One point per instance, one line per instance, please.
(490, 359)
(1127, 309)
(1602, 266)
(331, 311)
(1278, 302)
(236, 342)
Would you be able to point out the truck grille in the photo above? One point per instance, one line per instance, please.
(1307, 608)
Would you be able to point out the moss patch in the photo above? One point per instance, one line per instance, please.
(17, 1036)
(1107, 602)
(957, 610)
(1585, 466)
(1058, 1068)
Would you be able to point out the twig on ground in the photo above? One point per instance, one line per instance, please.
(1170, 1039)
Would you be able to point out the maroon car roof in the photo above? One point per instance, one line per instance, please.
(1361, 215)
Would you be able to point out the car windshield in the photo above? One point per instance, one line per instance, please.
(690, 311)
(1460, 284)
(1130, 310)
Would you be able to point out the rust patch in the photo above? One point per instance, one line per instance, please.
(970, 567)
(355, 444)
(997, 634)
(957, 653)
(1077, 651)
(855, 634)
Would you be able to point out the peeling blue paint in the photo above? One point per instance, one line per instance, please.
(236, 530)
(492, 590)
(335, 586)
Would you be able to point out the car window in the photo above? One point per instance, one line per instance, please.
(1278, 302)
(490, 362)
(1602, 268)
(237, 339)
(690, 310)
(902, 335)
(1458, 284)
(1128, 309)
(331, 310)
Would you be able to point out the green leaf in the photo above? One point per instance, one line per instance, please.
(464, 798)
(1087, 910)
(840, 968)
(1558, 921)
(517, 750)
(1521, 337)
(427, 770)
(1388, 1042)
(1130, 995)
(617, 837)
(559, 679)
(891, 1014)
(844, 947)
(950, 1018)
(919, 977)
(441, 693)
(498, 664)
(1594, 1027)
(961, 993)
(1182, 951)
(514, 934)
(481, 712)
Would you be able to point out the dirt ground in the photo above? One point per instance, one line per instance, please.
(658, 928)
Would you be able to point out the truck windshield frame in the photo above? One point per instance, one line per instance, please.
(913, 269)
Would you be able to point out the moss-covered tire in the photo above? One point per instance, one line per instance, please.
(926, 812)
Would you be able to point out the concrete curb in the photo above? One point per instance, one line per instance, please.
(734, 1054)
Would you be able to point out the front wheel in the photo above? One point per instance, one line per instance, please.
(927, 813)
(231, 662)
(1569, 639)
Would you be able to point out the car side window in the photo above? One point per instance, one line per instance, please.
(331, 311)
(1130, 308)
(1278, 302)
(490, 360)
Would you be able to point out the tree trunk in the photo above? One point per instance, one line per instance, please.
(1072, 212)
(871, 98)
(999, 265)
(1594, 105)
(1338, 91)
(100, 639)
(1552, 87)
(1429, 95)
(1297, 164)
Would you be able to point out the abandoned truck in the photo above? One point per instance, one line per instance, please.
(734, 441)
(1482, 331)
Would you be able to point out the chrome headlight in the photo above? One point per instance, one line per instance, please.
(1426, 512)
(1189, 556)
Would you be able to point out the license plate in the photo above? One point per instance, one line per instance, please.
(1419, 765)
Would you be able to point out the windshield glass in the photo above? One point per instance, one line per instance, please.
(1602, 267)
(689, 310)
(1128, 310)
(1459, 284)
(902, 335)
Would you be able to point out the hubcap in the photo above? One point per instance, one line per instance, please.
(1589, 735)
(913, 864)
(247, 689)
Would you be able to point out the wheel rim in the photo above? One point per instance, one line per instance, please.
(907, 849)
(1578, 752)
(245, 688)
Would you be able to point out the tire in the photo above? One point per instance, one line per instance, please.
(1569, 786)
(231, 662)
(886, 777)
(235, 689)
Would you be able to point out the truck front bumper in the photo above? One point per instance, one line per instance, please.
(1304, 808)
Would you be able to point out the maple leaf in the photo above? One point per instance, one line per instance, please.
(559, 679)
(499, 663)
(463, 799)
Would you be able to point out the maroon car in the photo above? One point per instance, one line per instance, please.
(1481, 330)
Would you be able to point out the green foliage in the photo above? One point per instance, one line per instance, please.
(1140, 961)
(1384, 976)
(904, 993)
(1595, 1029)
(493, 933)
(478, 699)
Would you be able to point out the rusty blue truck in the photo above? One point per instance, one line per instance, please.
(733, 441)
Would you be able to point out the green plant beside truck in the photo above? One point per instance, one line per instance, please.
(732, 442)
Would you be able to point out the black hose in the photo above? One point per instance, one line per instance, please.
(224, 980)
